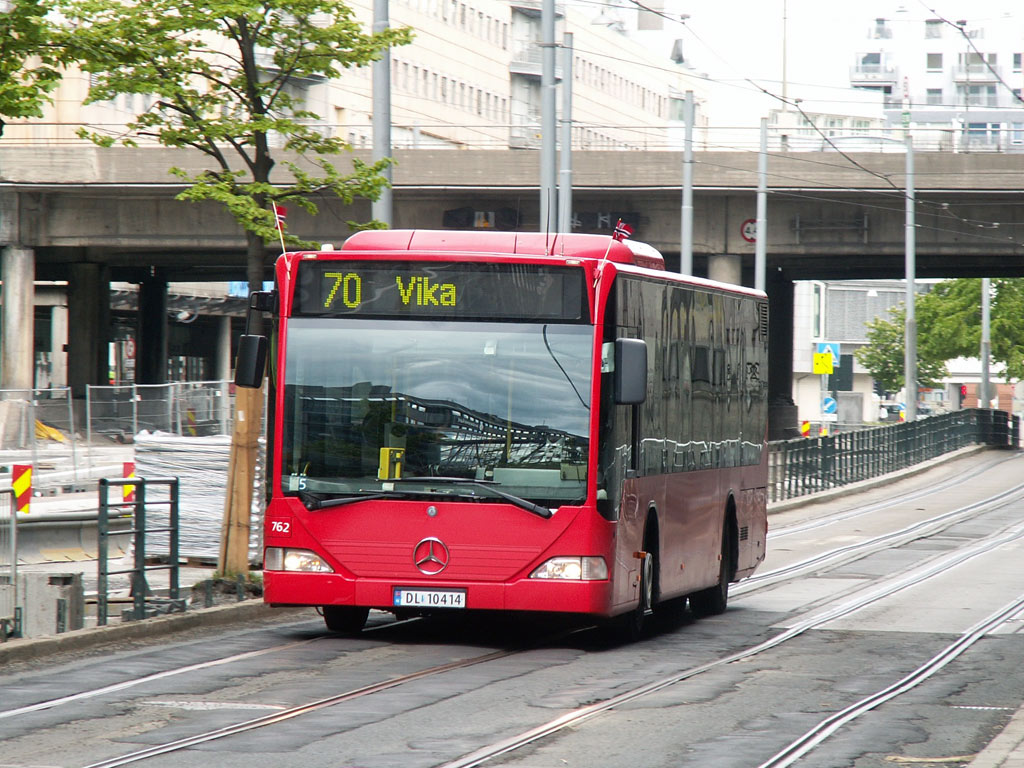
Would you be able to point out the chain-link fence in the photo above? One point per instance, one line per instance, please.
(185, 408)
(37, 427)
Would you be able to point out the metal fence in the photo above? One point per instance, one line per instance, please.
(155, 513)
(8, 566)
(808, 465)
(186, 408)
(37, 427)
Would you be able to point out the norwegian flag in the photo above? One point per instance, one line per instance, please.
(622, 230)
(280, 213)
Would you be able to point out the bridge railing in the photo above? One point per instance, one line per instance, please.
(808, 465)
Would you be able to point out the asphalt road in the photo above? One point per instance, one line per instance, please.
(858, 642)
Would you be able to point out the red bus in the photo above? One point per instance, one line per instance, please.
(502, 421)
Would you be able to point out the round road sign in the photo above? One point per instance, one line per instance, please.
(749, 230)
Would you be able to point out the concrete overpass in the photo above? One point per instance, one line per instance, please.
(90, 216)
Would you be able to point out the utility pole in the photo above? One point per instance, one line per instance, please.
(381, 208)
(761, 241)
(686, 213)
(985, 396)
(565, 171)
(910, 328)
(548, 107)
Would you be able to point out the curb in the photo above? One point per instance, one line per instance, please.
(27, 649)
(1005, 749)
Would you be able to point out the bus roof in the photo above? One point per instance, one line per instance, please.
(576, 246)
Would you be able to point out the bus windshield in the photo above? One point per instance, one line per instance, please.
(367, 402)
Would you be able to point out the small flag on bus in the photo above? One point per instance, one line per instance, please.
(280, 212)
(622, 230)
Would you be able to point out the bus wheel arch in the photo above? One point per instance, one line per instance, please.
(630, 626)
(650, 583)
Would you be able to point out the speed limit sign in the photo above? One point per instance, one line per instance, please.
(749, 230)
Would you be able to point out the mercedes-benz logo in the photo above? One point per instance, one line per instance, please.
(430, 556)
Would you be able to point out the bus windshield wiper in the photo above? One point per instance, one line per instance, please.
(484, 485)
(315, 501)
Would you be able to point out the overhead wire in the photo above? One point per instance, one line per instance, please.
(796, 105)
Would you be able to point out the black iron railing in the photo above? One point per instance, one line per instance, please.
(144, 525)
(809, 465)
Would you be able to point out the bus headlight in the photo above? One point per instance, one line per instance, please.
(573, 569)
(281, 559)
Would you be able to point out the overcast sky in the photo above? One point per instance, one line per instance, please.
(744, 38)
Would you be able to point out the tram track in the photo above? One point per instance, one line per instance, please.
(833, 518)
(860, 549)
(822, 562)
(831, 558)
(817, 620)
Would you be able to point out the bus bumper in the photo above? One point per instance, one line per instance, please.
(582, 597)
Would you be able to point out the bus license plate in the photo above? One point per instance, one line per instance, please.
(430, 598)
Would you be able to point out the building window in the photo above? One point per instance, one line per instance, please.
(934, 62)
(977, 95)
(934, 96)
(983, 134)
(933, 29)
(1017, 62)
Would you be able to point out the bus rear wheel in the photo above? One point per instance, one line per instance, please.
(714, 600)
(345, 619)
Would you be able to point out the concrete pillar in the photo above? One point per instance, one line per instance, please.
(58, 346)
(725, 268)
(88, 326)
(151, 357)
(17, 358)
(782, 411)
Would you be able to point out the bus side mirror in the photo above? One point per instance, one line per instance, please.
(252, 361)
(630, 371)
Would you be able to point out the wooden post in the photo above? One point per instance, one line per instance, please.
(234, 542)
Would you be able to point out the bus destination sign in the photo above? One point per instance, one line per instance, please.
(440, 290)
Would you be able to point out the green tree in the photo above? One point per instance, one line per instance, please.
(954, 308)
(884, 354)
(31, 54)
(227, 78)
(949, 326)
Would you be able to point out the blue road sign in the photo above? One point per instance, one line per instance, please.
(832, 347)
(829, 405)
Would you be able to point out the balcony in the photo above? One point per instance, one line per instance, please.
(527, 60)
(862, 75)
(534, 8)
(977, 72)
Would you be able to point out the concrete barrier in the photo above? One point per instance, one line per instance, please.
(68, 536)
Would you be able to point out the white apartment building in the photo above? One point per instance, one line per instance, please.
(471, 78)
(955, 82)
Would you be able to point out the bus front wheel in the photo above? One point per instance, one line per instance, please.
(346, 619)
